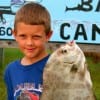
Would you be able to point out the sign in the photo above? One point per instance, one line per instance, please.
(71, 19)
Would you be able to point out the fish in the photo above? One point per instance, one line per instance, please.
(66, 75)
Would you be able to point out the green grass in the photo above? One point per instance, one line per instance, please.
(11, 54)
(95, 75)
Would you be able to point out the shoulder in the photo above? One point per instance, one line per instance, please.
(10, 68)
(45, 59)
(41, 64)
(11, 65)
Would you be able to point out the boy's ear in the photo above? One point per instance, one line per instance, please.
(49, 35)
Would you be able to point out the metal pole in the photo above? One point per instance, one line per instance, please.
(1, 57)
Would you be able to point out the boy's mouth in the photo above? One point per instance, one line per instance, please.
(30, 49)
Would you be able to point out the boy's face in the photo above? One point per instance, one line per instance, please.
(31, 40)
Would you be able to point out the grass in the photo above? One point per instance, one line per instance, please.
(11, 54)
(95, 75)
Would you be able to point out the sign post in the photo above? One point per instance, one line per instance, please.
(1, 57)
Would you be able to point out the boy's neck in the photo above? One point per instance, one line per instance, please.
(29, 61)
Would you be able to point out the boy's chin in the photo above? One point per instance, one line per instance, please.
(30, 56)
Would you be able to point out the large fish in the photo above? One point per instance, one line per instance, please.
(66, 76)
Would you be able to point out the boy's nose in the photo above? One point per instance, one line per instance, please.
(29, 41)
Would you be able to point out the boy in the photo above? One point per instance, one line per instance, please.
(32, 30)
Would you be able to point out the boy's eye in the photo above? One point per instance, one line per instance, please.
(22, 36)
(37, 37)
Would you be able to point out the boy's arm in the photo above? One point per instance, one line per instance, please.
(8, 85)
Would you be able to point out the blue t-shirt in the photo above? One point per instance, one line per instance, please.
(24, 81)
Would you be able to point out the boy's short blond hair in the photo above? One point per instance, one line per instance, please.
(33, 14)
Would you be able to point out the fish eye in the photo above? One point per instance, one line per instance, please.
(64, 51)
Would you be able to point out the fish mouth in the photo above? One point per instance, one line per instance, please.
(68, 62)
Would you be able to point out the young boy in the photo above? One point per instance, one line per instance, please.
(32, 30)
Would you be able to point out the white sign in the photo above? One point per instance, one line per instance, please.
(71, 19)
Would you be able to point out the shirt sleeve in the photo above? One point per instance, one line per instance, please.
(8, 83)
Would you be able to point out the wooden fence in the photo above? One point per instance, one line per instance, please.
(89, 49)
